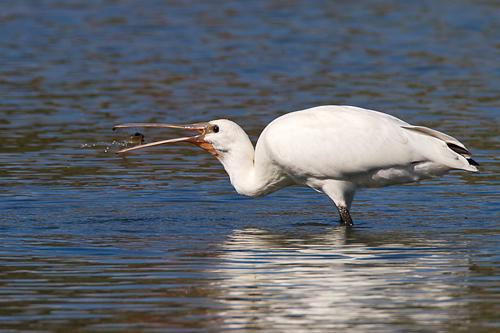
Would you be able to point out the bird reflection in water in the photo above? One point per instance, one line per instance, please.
(336, 279)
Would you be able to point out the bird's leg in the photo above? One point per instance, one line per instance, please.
(341, 193)
(345, 216)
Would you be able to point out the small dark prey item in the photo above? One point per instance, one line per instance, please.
(137, 138)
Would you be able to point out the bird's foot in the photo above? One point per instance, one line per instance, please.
(345, 216)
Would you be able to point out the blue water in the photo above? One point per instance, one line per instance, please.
(159, 241)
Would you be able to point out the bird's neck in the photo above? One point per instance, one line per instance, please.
(251, 173)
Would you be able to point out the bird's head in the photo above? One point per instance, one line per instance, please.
(218, 137)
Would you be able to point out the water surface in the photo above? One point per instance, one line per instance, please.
(159, 241)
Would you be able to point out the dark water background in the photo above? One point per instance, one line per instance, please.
(159, 241)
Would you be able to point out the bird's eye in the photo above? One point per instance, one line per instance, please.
(215, 129)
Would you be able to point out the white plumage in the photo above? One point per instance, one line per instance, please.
(332, 149)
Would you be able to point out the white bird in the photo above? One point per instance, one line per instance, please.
(332, 149)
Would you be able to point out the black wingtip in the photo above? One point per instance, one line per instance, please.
(457, 149)
(472, 162)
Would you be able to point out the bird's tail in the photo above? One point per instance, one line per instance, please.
(464, 161)
(462, 151)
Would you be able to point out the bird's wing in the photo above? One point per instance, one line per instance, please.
(338, 142)
(335, 141)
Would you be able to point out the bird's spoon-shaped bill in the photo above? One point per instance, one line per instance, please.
(193, 127)
(197, 139)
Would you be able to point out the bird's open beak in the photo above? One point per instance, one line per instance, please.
(198, 140)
